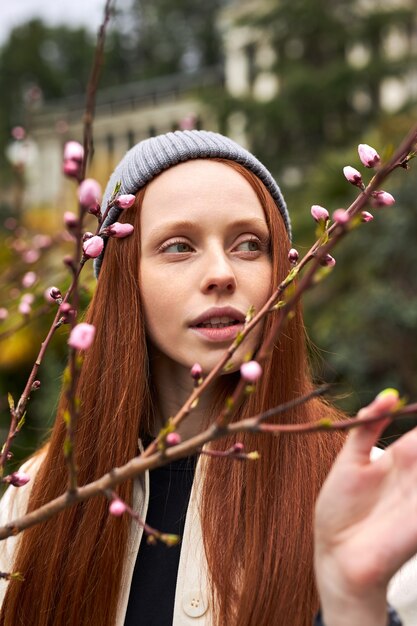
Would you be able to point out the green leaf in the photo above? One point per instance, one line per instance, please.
(250, 314)
(67, 447)
(326, 423)
(11, 402)
(239, 339)
(169, 540)
(21, 422)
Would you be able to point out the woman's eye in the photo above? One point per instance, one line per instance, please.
(250, 246)
(177, 247)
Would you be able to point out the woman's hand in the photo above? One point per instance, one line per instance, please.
(366, 522)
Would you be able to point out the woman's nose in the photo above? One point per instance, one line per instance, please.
(218, 275)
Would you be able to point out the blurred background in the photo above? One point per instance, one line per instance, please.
(298, 82)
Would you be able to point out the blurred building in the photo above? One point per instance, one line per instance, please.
(123, 116)
(251, 69)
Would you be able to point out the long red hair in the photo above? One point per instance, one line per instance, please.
(257, 527)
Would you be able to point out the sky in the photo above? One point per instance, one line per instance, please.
(86, 13)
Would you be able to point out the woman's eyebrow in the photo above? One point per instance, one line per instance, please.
(188, 225)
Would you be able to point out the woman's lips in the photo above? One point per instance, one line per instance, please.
(227, 333)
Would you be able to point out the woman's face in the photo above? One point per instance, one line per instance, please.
(204, 262)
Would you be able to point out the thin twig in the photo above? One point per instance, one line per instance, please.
(141, 464)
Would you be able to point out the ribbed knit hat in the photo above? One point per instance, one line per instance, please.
(152, 156)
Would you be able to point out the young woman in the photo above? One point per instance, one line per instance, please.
(211, 239)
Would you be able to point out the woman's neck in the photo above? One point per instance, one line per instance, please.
(173, 385)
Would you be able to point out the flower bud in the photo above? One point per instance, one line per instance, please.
(94, 209)
(67, 312)
(119, 231)
(196, 371)
(173, 439)
(29, 298)
(238, 447)
(73, 151)
(382, 198)
(70, 219)
(93, 247)
(71, 168)
(4, 313)
(340, 216)
(89, 193)
(251, 371)
(353, 176)
(319, 213)
(18, 133)
(29, 279)
(82, 336)
(69, 262)
(31, 256)
(36, 385)
(24, 308)
(55, 293)
(18, 479)
(125, 201)
(293, 256)
(366, 217)
(368, 155)
(328, 261)
(117, 507)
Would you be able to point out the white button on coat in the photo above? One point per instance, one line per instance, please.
(194, 603)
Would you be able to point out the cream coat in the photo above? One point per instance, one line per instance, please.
(192, 606)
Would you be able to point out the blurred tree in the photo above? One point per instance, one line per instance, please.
(175, 35)
(329, 61)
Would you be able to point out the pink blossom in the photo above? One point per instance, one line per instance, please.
(55, 293)
(368, 155)
(24, 308)
(82, 336)
(10, 223)
(31, 256)
(366, 217)
(73, 151)
(89, 193)
(293, 256)
(28, 298)
(125, 201)
(117, 507)
(41, 241)
(340, 216)
(18, 133)
(188, 122)
(352, 175)
(196, 371)
(71, 168)
(119, 230)
(93, 247)
(47, 295)
(328, 261)
(70, 219)
(29, 279)
(18, 479)
(319, 213)
(251, 371)
(173, 439)
(4, 313)
(382, 198)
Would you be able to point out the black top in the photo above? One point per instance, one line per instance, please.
(152, 592)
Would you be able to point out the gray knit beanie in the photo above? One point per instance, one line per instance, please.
(152, 156)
